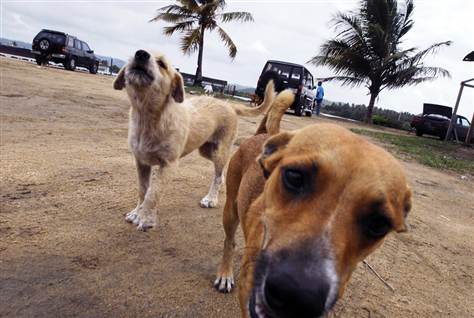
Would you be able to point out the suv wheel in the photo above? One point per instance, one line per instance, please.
(94, 68)
(44, 45)
(71, 64)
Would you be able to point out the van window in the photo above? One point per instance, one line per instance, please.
(283, 70)
(309, 80)
(70, 42)
(296, 74)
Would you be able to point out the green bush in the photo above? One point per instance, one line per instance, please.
(382, 117)
(380, 120)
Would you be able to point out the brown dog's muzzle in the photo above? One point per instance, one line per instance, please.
(293, 283)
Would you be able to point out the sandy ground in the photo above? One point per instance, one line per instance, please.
(67, 178)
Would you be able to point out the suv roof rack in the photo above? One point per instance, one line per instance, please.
(53, 31)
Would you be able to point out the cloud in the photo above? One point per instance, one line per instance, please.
(258, 47)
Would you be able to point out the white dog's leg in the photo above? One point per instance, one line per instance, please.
(143, 172)
(146, 214)
(132, 215)
(212, 197)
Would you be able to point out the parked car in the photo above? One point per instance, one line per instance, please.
(435, 121)
(59, 47)
(293, 76)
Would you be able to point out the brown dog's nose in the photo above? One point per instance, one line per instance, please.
(291, 293)
(142, 56)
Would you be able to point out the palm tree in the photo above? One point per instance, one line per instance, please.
(367, 51)
(193, 18)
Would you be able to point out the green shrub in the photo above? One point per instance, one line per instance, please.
(380, 120)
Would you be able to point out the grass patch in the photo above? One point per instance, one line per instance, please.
(430, 152)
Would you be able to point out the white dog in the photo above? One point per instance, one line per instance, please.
(164, 127)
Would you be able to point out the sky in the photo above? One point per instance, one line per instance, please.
(288, 30)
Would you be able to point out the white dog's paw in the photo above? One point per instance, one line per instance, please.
(145, 222)
(224, 284)
(132, 216)
(207, 202)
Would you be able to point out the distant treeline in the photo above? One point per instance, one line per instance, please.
(382, 117)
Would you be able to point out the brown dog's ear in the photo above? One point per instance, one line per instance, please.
(119, 82)
(271, 152)
(177, 88)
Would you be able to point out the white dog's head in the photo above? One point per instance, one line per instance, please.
(147, 75)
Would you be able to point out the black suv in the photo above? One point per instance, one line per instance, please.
(60, 47)
(289, 75)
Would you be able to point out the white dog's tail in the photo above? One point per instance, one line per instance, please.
(260, 109)
(270, 124)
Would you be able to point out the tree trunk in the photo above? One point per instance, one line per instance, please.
(370, 108)
(198, 77)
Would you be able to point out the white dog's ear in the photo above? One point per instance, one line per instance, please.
(119, 82)
(272, 151)
(177, 88)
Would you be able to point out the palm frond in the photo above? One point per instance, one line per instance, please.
(227, 42)
(209, 8)
(173, 13)
(432, 49)
(236, 16)
(397, 56)
(352, 30)
(405, 61)
(407, 22)
(190, 42)
(221, 4)
(178, 27)
(343, 57)
(169, 17)
(413, 75)
(341, 65)
(190, 4)
(347, 80)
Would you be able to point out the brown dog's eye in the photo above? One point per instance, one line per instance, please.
(161, 64)
(296, 181)
(299, 180)
(376, 226)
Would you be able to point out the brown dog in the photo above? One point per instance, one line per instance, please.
(315, 203)
(164, 126)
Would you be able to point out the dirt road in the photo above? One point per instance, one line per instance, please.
(67, 178)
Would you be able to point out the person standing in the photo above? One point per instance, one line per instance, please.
(319, 97)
